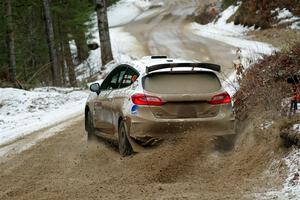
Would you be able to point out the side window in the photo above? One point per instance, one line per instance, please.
(112, 81)
(113, 84)
(129, 77)
(121, 76)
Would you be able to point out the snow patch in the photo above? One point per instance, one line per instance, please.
(291, 186)
(296, 127)
(284, 16)
(295, 26)
(23, 112)
(32, 139)
(266, 125)
(126, 11)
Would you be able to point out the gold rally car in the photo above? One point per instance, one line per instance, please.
(143, 102)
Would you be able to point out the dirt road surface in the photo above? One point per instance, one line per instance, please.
(189, 166)
(165, 31)
(66, 167)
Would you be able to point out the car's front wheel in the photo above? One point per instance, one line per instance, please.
(125, 148)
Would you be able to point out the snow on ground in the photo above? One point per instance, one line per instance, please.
(23, 112)
(125, 47)
(126, 11)
(291, 186)
(27, 142)
(295, 26)
(285, 16)
(234, 35)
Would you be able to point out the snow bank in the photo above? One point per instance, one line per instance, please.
(23, 112)
(234, 35)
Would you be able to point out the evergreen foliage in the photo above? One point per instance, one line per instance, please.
(227, 3)
(69, 19)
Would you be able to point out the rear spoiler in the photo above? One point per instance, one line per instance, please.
(209, 66)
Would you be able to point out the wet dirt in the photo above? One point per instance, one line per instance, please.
(188, 166)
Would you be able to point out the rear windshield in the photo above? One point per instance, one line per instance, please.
(181, 83)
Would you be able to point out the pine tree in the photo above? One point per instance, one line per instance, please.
(11, 42)
(56, 73)
(32, 61)
(73, 16)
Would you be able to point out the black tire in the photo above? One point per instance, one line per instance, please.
(125, 148)
(90, 127)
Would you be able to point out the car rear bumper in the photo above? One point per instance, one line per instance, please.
(145, 129)
(162, 129)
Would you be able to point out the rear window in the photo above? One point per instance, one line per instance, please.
(182, 83)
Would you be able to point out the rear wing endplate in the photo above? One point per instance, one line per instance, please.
(209, 66)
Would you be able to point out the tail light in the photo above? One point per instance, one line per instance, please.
(142, 99)
(223, 98)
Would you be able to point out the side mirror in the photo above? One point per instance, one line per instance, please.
(93, 46)
(95, 87)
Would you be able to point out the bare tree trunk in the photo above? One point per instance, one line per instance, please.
(70, 64)
(106, 52)
(82, 51)
(61, 50)
(56, 72)
(11, 43)
(61, 57)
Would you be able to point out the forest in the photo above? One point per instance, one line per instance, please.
(33, 53)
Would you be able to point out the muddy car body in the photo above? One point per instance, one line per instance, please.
(146, 101)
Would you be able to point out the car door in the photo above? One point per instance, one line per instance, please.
(102, 116)
(103, 103)
(126, 79)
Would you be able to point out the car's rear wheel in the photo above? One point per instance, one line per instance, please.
(90, 127)
(125, 148)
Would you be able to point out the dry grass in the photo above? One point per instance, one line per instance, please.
(258, 13)
(264, 86)
(279, 38)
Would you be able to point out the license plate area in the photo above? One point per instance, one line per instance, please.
(185, 110)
